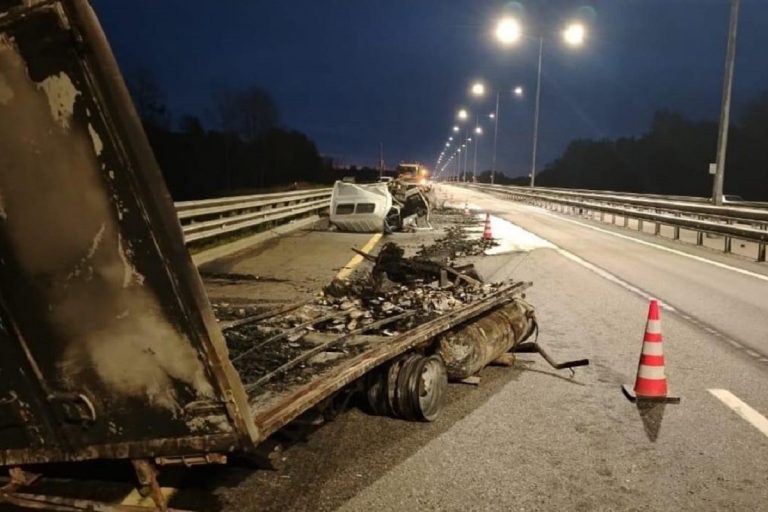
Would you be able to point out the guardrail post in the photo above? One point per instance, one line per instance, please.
(761, 252)
(640, 225)
(727, 244)
(626, 221)
(676, 234)
(699, 238)
(657, 229)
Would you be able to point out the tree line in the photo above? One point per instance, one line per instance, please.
(671, 158)
(248, 151)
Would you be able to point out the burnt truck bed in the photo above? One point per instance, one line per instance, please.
(283, 397)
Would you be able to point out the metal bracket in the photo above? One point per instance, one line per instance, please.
(192, 460)
(19, 479)
(146, 473)
(73, 407)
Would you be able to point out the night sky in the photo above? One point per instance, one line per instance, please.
(353, 73)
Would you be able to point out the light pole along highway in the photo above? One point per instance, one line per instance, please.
(463, 116)
(508, 32)
(725, 109)
(478, 89)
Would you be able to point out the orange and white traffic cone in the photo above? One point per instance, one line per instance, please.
(487, 235)
(651, 383)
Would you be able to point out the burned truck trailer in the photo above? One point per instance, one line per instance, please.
(109, 348)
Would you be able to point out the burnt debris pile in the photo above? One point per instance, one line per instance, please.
(456, 243)
(347, 315)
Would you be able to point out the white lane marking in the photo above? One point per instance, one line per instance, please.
(754, 418)
(661, 247)
(611, 277)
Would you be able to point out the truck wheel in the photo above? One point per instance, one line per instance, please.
(428, 394)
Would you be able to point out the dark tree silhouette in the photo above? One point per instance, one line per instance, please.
(251, 153)
(671, 158)
(149, 99)
(249, 112)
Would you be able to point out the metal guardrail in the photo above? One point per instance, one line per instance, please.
(209, 218)
(684, 199)
(731, 223)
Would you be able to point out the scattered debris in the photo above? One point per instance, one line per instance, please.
(398, 294)
(457, 243)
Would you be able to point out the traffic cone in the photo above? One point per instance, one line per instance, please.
(487, 230)
(651, 383)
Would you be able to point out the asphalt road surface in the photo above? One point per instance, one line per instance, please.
(532, 438)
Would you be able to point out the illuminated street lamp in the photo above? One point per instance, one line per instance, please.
(478, 89)
(573, 34)
(455, 128)
(462, 115)
(508, 30)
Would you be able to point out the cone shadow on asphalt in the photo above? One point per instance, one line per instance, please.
(651, 414)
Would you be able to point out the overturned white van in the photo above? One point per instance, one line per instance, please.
(360, 208)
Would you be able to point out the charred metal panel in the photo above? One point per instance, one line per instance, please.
(108, 346)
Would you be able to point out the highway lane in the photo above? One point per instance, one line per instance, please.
(710, 290)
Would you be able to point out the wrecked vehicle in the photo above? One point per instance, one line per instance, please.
(360, 208)
(378, 207)
(109, 347)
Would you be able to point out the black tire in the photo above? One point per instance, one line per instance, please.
(375, 392)
(391, 386)
(402, 400)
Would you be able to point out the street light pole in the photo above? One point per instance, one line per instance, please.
(464, 145)
(536, 114)
(495, 137)
(474, 162)
(725, 110)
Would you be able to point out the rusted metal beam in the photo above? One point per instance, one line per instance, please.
(65, 504)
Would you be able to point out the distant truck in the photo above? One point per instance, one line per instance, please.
(412, 172)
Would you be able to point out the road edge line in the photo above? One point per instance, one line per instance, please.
(741, 408)
(701, 259)
(352, 264)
